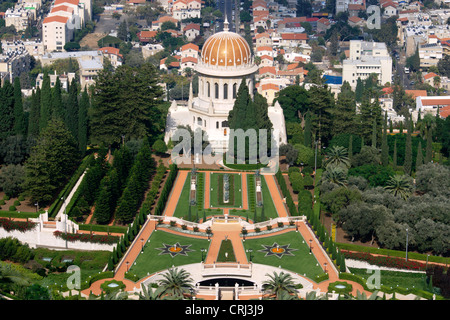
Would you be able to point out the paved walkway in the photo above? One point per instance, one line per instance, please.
(176, 193)
(221, 231)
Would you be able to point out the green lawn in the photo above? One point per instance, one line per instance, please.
(181, 211)
(269, 207)
(301, 262)
(396, 278)
(226, 252)
(151, 260)
(215, 192)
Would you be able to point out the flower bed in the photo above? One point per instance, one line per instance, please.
(95, 238)
(390, 262)
(22, 226)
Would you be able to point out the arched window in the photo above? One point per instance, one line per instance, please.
(199, 121)
(209, 89)
(225, 91)
(234, 90)
(225, 124)
(217, 124)
(216, 90)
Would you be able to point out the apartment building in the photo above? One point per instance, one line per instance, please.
(430, 54)
(19, 17)
(64, 18)
(366, 58)
(184, 9)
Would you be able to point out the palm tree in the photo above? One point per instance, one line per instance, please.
(363, 296)
(436, 81)
(149, 294)
(312, 295)
(337, 156)
(279, 285)
(11, 276)
(399, 185)
(336, 175)
(176, 283)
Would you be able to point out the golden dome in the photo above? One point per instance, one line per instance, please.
(226, 49)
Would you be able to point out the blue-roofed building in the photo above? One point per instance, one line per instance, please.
(332, 79)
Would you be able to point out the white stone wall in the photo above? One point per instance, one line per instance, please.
(36, 238)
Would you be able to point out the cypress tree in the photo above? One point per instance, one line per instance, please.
(350, 148)
(394, 157)
(307, 130)
(374, 133)
(344, 114)
(46, 102)
(384, 144)
(429, 147)
(33, 119)
(359, 90)
(19, 117)
(102, 212)
(408, 150)
(419, 159)
(71, 114)
(57, 104)
(83, 121)
(6, 110)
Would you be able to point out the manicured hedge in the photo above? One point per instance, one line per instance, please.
(54, 208)
(24, 215)
(137, 184)
(165, 192)
(22, 226)
(285, 191)
(103, 228)
(83, 237)
(99, 276)
(391, 262)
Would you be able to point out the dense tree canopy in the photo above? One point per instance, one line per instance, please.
(125, 103)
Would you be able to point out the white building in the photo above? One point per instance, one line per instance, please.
(225, 61)
(366, 58)
(64, 18)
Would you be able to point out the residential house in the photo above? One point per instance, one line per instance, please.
(191, 31)
(292, 40)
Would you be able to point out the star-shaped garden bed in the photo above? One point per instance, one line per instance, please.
(175, 249)
(277, 250)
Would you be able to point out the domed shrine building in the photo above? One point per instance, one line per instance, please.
(225, 61)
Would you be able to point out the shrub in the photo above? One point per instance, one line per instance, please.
(17, 203)
(22, 226)
(12, 208)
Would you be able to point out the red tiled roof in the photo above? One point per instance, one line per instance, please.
(294, 36)
(430, 75)
(62, 8)
(444, 112)
(74, 2)
(262, 35)
(265, 56)
(145, 35)
(190, 46)
(435, 102)
(264, 48)
(270, 86)
(387, 90)
(416, 93)
(59, 19)
(189, 59)
(192, 26)
(110, 50)
(267, 70)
